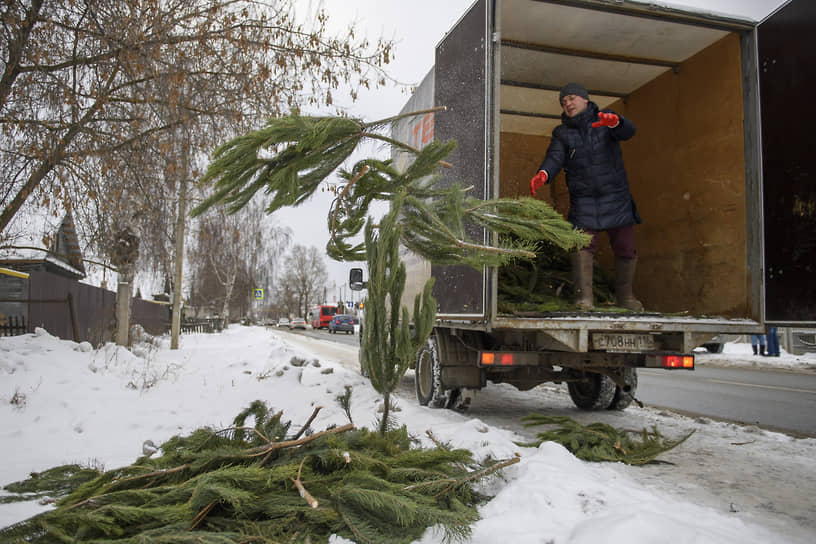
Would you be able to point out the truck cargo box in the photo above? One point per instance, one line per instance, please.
(719, 175)
(719, 169)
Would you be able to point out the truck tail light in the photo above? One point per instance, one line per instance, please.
(677, 361)
(492, 358)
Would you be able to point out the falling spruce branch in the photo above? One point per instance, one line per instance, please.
(339, 200)
(289, 158)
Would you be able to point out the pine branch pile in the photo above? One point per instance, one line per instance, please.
(602, 442)
(254, 485)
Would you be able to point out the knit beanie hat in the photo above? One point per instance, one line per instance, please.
(573, 88)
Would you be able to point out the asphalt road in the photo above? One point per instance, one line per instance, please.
(778, 400)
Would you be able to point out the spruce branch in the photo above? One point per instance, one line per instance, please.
(602, 442)
(290, 157)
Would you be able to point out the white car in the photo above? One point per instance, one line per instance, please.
(298, 323)
(283, 322)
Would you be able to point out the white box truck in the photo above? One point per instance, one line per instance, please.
(720, 169)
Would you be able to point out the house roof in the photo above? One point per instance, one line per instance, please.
(63, 257)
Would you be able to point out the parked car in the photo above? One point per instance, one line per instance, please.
(283, 322)
(298, 323)
(344, 323)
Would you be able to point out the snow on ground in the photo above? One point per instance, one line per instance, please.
(62, 402)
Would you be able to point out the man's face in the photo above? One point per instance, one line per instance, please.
(572, 104)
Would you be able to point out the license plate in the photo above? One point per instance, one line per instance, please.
(623, 342)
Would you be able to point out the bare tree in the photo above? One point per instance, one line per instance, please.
(230, 252)
(92, 93)
(303, 279)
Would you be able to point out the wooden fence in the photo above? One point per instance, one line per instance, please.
(207, 325)
(72, 310)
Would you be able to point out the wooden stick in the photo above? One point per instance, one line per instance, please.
(441, 447)
(201, 515)
(290, 443)
(480, 474)
(302, 490)
(308, 422)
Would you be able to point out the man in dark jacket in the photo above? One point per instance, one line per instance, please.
(586, 145)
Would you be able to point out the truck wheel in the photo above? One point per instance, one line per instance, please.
(428, 377)
(595, 392)
(622, 399)
(713, 347)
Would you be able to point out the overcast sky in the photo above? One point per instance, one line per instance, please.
(417, 26)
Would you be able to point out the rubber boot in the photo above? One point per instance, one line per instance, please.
(755, 349)
(582, 278)
(624, 276)
(762, 350)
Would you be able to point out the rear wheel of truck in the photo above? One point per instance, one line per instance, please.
(623, 399)
(594, 392)
(428, 376)
(713, 347)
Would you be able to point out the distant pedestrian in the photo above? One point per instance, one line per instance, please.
(773, 342)
(758, 340)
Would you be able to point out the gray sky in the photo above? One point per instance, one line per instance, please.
(417, 26)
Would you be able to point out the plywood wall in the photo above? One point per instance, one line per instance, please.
(687, 175)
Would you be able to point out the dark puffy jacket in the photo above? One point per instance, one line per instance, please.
(593, 162)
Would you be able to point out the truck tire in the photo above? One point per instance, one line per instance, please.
(428, 376)
(595, 392)
(713, 347)
(622, 399)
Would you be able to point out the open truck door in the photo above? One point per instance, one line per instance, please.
(463, 85)
(786, 45)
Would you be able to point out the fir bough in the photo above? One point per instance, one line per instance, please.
(602, 442)
(250, 484)
(290, 157)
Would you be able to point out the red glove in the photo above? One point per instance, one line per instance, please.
(537, 181)
(606, 120)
